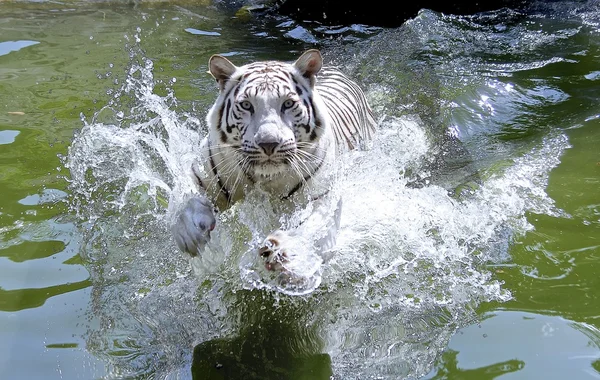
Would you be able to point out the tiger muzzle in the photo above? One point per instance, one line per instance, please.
(268, 138)
(268, 147)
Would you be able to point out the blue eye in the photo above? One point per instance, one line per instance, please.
(287, 104)
(246, 105)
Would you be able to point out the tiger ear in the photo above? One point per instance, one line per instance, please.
(309, 63)
(221, 69)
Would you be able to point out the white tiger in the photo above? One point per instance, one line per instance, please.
(279, 126)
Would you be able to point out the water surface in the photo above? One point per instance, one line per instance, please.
(469, 241)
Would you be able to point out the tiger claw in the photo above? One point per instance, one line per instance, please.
(273, 253)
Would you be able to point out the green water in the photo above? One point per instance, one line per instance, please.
(61, 61)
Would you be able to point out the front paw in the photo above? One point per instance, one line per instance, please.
(193, 225)
(274, 252)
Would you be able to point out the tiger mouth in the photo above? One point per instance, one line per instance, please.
(265, 166)
(257, 165)
(268, 168)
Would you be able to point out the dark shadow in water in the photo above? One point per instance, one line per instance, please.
(243, 358)
(447, 368)
(277, 340)
(20, 299)
(32, 250)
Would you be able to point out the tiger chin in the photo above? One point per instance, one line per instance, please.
(278, 126)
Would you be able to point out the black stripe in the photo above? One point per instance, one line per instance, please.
(220, 118)
(310, 107)
(227, 112)
(200, 183)
(223, 136)
(235, 87)
(340, 92)
(250, 80)
(277, 75)
(339, 123)
(306, 178)
(221, 108)
(222, 187)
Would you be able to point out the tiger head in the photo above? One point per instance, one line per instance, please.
(268, 116)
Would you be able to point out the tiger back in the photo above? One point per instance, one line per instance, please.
(352, 120)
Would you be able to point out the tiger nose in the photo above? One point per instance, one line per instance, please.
(268, 147)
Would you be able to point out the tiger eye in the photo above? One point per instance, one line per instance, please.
(246, 105)
(288, 103)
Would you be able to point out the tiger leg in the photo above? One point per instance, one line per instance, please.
(323, 224)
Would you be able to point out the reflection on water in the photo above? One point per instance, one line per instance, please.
(20, 299)
(450, 368)
(547, 344)
(10, 46)
(8, 137)
(276, 340)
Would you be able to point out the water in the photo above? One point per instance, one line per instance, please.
(453, 209)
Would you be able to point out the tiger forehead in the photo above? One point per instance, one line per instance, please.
(267, 66)
(270, 77)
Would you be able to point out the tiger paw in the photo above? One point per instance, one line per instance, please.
(193, 225)
(294, 265)
(274, 251)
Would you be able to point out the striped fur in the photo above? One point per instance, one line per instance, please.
(351, 117)
(279, 124)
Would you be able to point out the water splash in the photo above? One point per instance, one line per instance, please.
(134, 153)
(410, 265)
